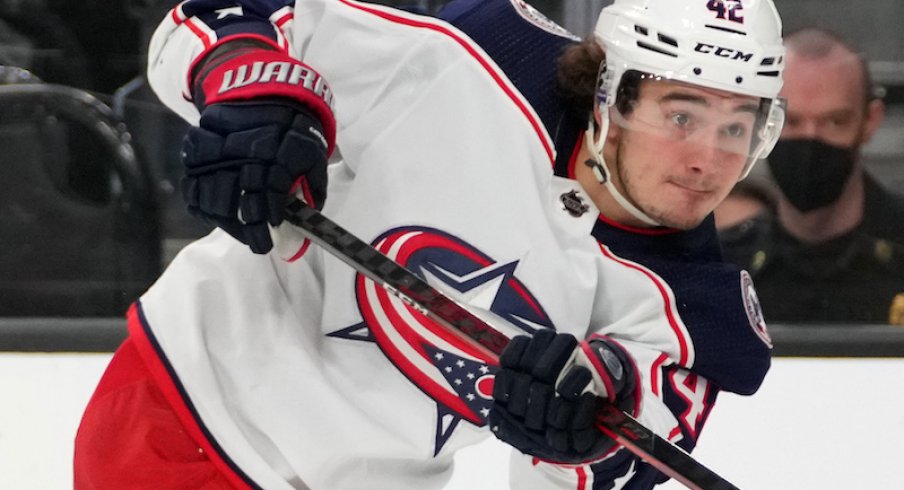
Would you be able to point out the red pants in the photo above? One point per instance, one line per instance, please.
(131, 438)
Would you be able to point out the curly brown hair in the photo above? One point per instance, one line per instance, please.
(576, 79)
(578, 67)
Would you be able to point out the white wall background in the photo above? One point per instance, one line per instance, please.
(816, 424)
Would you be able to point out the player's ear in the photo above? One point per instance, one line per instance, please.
(875, 114)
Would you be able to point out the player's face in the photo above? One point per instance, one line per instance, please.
(825, 101)
(681, 149)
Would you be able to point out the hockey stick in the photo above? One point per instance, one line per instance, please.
(415, 292)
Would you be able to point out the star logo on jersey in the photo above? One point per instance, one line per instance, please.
(456, 375)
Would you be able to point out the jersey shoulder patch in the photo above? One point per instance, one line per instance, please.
(535, 17)
(753, 309)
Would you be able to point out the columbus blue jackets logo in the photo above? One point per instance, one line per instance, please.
(535, 17)
(753, 309)
(457, 376)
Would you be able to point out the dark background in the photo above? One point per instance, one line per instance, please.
(100, 47)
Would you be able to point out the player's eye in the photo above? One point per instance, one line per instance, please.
(681, 119)
(736, 130)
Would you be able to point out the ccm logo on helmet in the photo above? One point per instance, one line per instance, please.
(279, 72)
(722, 52)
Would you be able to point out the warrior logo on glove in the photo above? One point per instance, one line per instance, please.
(280, 72)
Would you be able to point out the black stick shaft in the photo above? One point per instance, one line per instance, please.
(415, 292)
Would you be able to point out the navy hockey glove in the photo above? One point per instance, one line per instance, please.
(549, 390)
(266, 131)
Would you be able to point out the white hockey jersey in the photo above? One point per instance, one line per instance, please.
(306, 375)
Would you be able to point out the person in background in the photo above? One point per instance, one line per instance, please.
(14, 75)
(833, 251)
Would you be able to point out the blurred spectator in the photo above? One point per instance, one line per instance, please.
(834, 249)
(13, 75)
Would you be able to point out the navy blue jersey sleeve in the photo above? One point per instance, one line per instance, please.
(230, 18)
(716, 302)
(717, 305)
(526, 45)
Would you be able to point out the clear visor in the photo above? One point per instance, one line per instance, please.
(690, 118)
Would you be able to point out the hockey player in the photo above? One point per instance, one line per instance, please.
(595, 247)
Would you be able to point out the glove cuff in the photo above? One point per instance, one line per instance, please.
(252, 72)
(614, 372)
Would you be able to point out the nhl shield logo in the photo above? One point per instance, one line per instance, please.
(574, 203)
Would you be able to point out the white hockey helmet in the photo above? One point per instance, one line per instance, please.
(730, 45)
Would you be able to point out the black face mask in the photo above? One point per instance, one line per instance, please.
(810, 173)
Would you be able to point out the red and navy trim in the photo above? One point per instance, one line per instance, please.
(178, 398)
(476, 52)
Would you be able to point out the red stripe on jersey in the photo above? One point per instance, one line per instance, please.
(285, 18)
(667, 302)
(205, 39)
(572, 162)
(500, 80)
(177, 14)
(305, 244)
(582, 478)
(280, 23)
(654, 372)
(636, 229)
(176, 396)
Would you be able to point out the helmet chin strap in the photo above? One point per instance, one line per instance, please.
(602, 173)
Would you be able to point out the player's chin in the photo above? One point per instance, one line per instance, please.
(681, 224)
(683, 213)
(682, 216)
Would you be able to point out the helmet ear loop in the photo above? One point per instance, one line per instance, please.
(599, 121)
(598, 124)
(597, 162)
